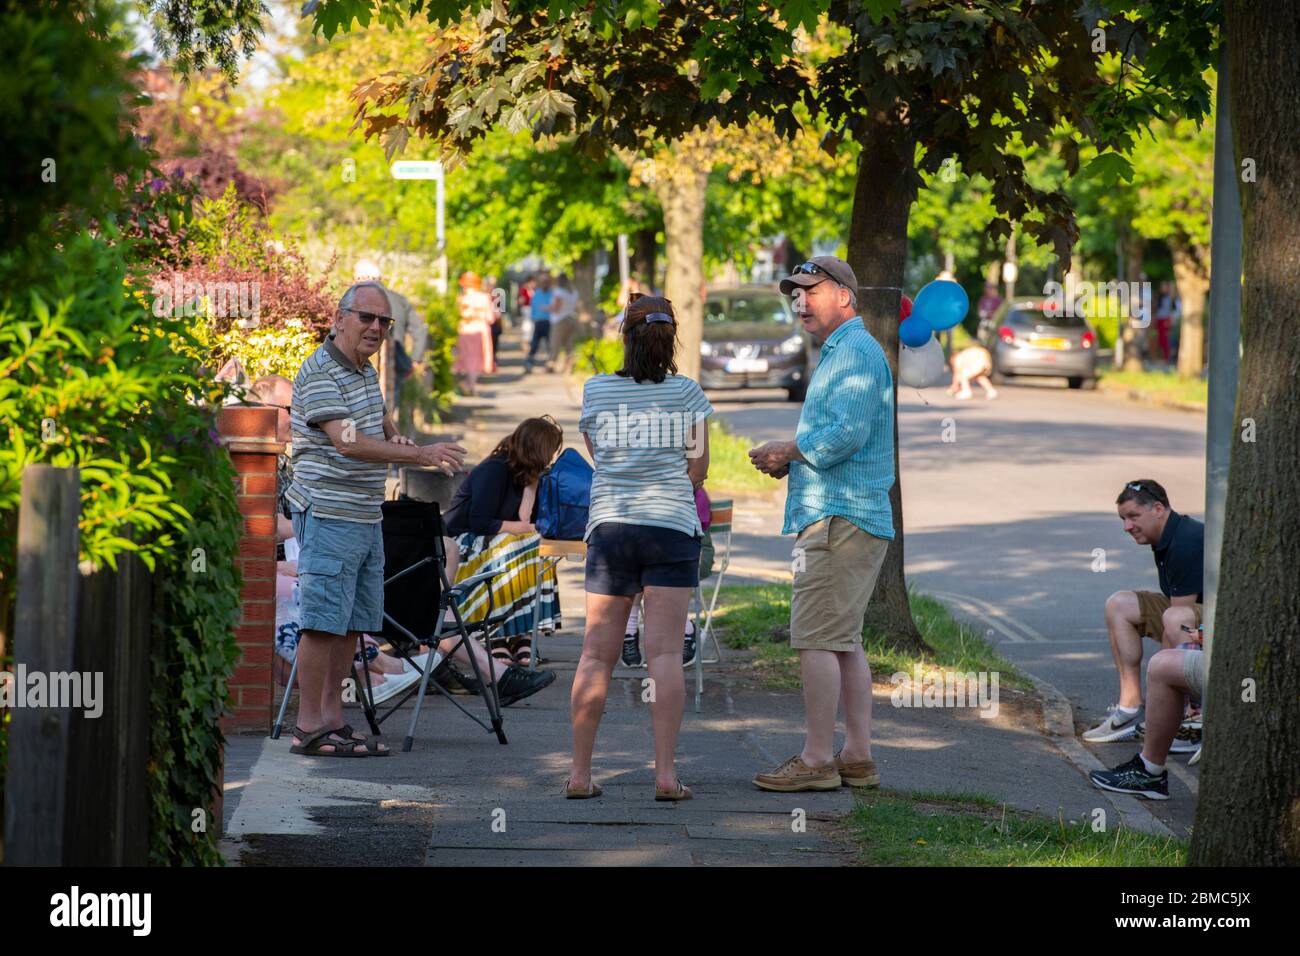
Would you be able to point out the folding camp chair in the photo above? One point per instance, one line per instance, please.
(550, 552)
(417, 592)
(719, 533)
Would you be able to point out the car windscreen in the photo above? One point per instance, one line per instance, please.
(1055, 318)
(749, 310)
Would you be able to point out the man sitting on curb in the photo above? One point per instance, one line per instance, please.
(1172, 674)
(1177, 542)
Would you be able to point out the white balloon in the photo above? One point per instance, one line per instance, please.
(921, 367)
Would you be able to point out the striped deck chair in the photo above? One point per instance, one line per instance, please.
(715, 558)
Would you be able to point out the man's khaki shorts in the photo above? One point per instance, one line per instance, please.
(1151, 608)
(835, 564)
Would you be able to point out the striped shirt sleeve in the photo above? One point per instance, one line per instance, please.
(846, 432)
(322, 399)
(585, 420)
(695, 401)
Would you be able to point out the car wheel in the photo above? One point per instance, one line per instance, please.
(996, 376)
(796, 393)
(1089, 384)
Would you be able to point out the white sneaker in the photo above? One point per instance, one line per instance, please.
(1116, 726)
(394, 684)
(422, 662)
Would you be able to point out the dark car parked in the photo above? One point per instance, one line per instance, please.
(751, 340)
(1037, 337)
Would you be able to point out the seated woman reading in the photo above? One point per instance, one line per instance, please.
(490, 523)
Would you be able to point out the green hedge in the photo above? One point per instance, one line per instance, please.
(90, 378)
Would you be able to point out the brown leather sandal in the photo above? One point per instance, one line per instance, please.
(372, 745)
(573, 794)
(313, 743)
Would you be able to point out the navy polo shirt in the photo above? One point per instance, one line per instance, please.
(1180, 556)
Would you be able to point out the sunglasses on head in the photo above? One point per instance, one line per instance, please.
(368, 318)
(811, 269)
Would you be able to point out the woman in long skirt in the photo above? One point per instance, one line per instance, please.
(474, 354)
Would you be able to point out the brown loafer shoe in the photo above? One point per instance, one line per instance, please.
(795, 775)
(861, 773)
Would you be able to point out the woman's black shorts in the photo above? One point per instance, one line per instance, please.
(624, 559)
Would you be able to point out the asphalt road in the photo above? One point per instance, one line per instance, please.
(1005, 520)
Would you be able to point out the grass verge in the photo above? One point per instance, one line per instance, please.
(1161, 388)
(730, 470)
(893, 829)
(756, 617)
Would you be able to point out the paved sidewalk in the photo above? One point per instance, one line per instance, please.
(460, 798)
(438, 804)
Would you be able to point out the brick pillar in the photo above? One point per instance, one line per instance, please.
(249, 435)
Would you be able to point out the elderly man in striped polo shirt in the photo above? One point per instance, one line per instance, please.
(841, 467)
(343, 441)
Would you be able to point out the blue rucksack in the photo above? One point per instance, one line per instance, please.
(564, 497)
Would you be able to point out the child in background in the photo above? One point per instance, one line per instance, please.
(632, 632)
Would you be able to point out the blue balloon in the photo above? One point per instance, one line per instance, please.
(941, 304)
(914, 332)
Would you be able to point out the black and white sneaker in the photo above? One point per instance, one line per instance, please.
(1133, 778)
(689, 649)
(632, 649)
(519, 682)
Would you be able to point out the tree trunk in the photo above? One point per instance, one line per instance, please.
(1248, 812)
(681, 186)
(1134, 253)
(584, 282)
(643, 256)
(882, 202)
(1193, 287)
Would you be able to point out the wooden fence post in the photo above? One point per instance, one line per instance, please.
(107, 818)
(44, 641)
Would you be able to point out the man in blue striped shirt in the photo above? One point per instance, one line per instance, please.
(841, 467)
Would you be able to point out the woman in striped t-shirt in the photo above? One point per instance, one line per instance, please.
(647, 431)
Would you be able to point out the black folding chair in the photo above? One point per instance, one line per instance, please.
(417, 596)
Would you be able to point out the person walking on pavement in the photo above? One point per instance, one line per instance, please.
(564, 324)
(841, 468)
(543, 297)
(474, 334)
(497, 298)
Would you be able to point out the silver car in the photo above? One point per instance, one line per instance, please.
(1036, 337)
